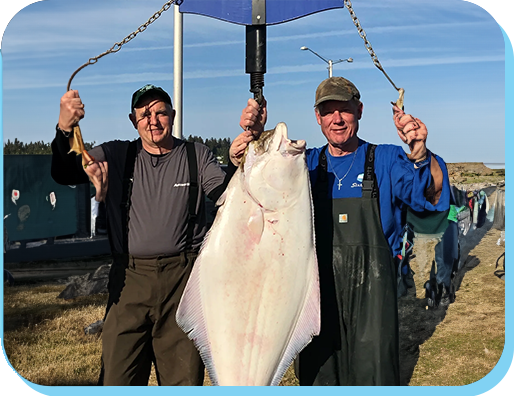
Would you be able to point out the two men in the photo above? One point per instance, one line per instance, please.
(359, 193)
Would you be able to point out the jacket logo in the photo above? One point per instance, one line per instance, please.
(342, 218)
(181, 184)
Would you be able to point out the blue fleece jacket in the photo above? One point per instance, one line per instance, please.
(400, 183)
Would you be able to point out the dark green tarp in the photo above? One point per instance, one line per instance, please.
(427, 222)
(32, 216)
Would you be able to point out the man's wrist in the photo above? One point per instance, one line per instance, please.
(64, 132)
(420, 161)
(418, 158)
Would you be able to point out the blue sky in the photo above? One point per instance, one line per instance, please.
(449, 57)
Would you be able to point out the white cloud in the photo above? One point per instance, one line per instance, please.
(36, 82)
(44, 31)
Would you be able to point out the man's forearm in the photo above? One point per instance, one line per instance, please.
(218, 191)
(66, 168)
(434, 191)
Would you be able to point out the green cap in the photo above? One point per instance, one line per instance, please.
(149, 89)
(336, 88)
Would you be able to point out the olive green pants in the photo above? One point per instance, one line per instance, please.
(140, 328)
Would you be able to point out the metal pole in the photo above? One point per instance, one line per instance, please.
(177, 71)
(329, 62)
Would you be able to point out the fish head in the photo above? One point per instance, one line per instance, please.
(278, 141)
(275, 142)
(275, 168)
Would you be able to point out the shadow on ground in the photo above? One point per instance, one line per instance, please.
(417, 322)
(29, 317)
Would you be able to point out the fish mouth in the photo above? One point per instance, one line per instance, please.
(292, 147)
(277, 140)
(289, 146)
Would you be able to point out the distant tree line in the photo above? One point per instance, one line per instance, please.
(20, 148)
(219, 147)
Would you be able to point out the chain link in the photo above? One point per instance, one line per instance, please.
(368, 46)
(117, 46)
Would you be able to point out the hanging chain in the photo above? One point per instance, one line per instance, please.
(117, 46)
(368, 46)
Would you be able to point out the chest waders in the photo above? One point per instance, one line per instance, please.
(121, 259)
(359, 339)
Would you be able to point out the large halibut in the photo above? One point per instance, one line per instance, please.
(252, 302)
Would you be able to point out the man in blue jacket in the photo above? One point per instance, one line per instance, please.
(359, 193)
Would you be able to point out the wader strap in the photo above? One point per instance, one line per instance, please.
(121, 260)
(193, 193)
(321, 187)
(128, 181)
(322, 165)
(370, 189)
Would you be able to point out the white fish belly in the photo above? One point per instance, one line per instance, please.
(252, 301)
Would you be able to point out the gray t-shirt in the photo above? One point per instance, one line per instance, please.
(158, 215)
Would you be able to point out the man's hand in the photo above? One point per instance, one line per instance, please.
(252, 120)
(71, 111)
(97, 173)
(253, 117)
(412, 131)
(239, 145)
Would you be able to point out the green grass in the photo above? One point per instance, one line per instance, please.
(45, 341)
(469, 342)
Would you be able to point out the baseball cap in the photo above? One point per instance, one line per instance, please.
(149, 89)
(336, 88)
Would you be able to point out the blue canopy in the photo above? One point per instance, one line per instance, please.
(240, 11)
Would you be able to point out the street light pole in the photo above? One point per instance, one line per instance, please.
(329, 62)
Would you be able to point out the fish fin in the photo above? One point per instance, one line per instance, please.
(256, 224)
(190, 318)
(308, 326)
(206, 238)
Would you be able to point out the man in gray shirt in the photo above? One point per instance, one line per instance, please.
(153, 189)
